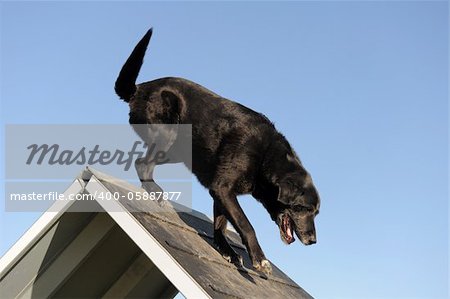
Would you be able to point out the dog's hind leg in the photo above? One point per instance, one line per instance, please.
(236, 216)
(159, 139)
(220, 240)
(145, 169)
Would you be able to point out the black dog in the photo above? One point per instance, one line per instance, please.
(235, 151)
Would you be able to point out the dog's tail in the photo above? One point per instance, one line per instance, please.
(125, 86)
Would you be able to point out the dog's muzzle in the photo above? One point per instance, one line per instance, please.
(310, 241)
(307, 238)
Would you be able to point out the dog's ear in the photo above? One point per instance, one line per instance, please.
(285, 192)
(290, 193)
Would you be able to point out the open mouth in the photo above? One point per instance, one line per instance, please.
(286, 229)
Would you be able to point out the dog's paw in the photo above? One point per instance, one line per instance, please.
(155, 193)
(264, 267)
(236, 259)
(152, 189)
(230, 256)
(163, 203)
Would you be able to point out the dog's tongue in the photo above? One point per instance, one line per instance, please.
(290, 237)
(288, 230)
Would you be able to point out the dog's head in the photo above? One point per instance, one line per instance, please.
(299, 204)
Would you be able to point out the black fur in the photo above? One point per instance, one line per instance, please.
(235, 151)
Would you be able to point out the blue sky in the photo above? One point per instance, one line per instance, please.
(360, 90)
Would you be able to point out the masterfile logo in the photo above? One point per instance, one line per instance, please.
(59, 151)
(54, 155)
(42, 160)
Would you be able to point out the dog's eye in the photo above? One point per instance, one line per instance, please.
(301, 209)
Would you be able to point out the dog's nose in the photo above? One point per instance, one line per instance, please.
(311, 238)
(312, 241)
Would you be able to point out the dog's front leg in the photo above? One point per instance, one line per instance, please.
(236, 216)
(220, 240)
